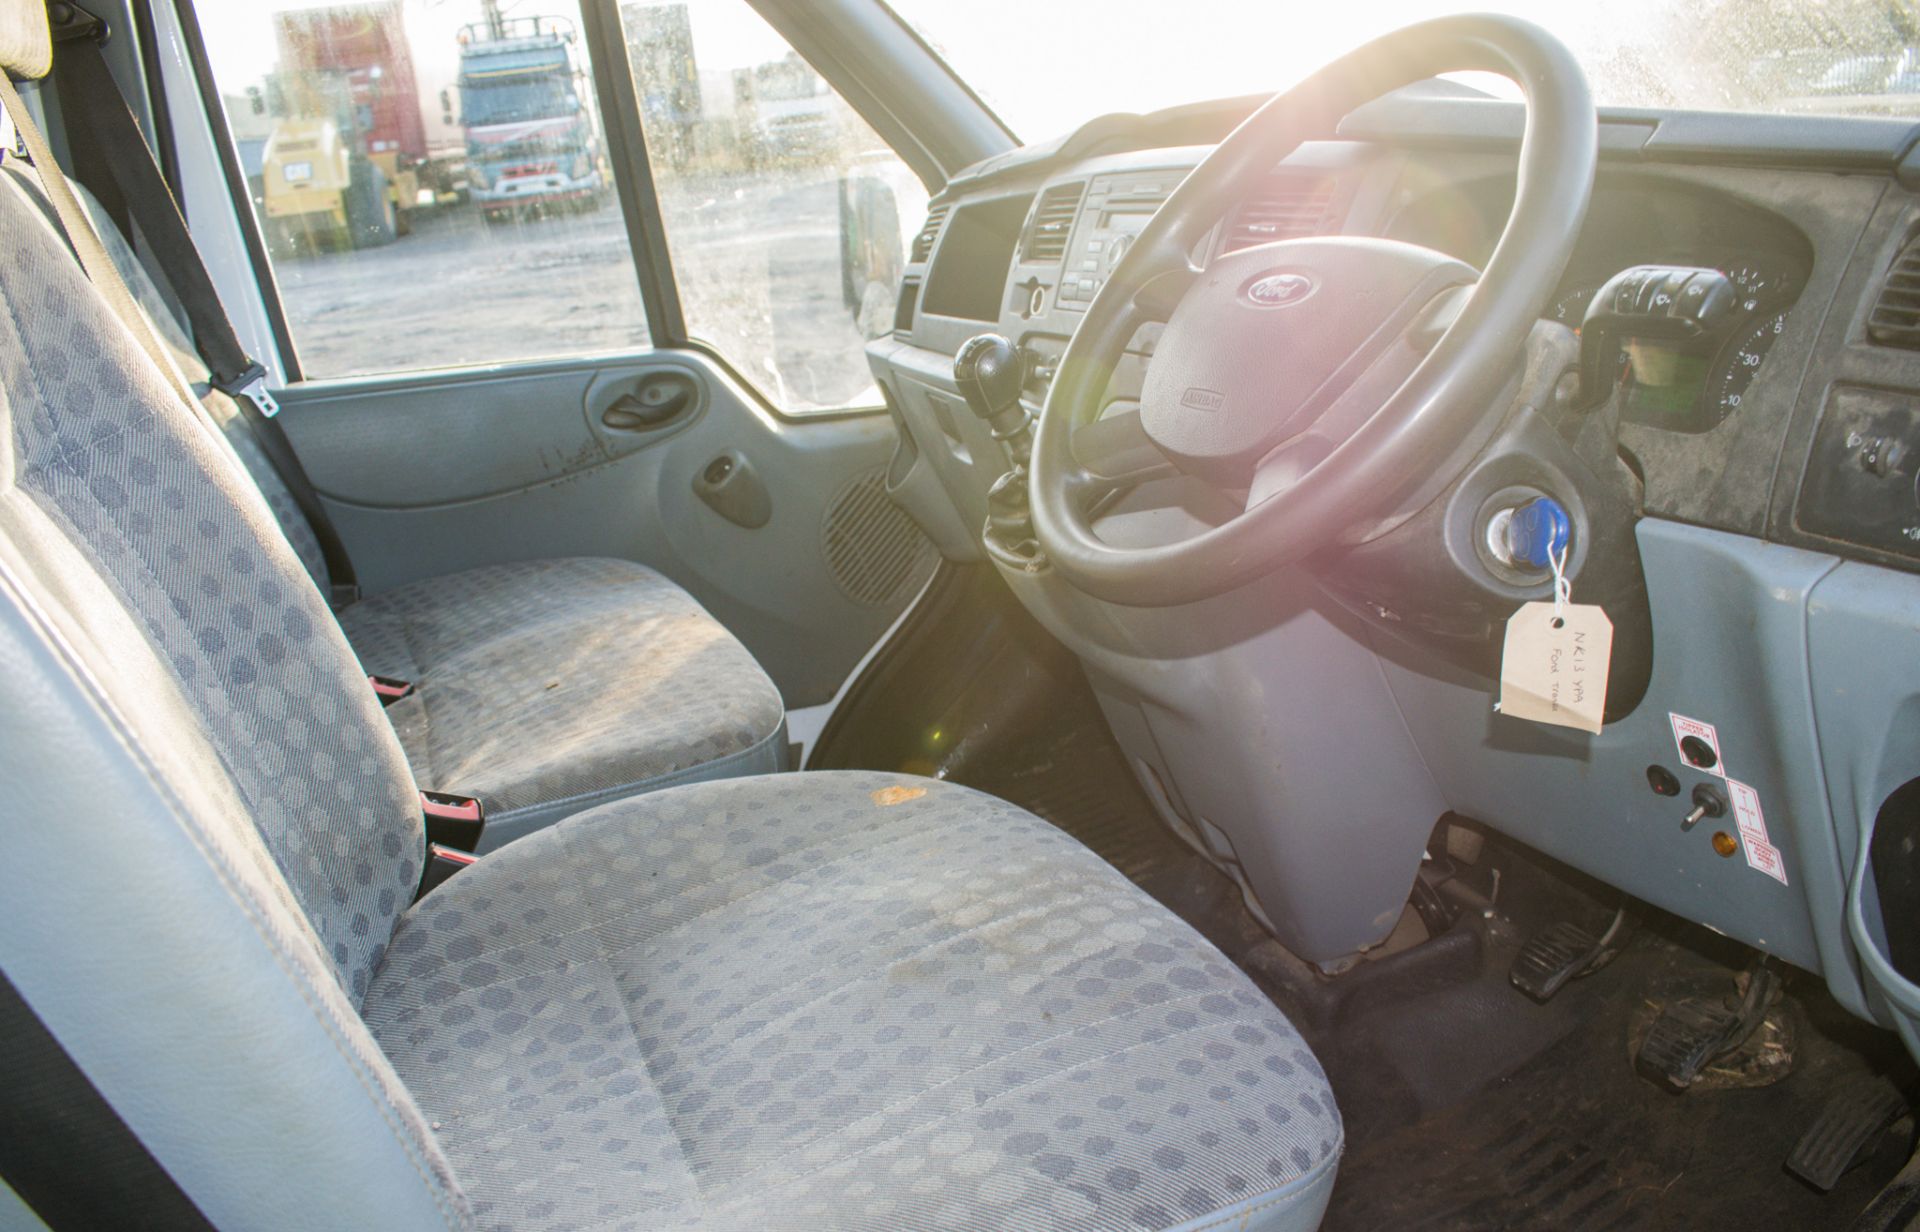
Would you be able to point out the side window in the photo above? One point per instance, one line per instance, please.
(786, 216)
(431, 179)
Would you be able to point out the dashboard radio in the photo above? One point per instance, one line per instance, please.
(1116, 210)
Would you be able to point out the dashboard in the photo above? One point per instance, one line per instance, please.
(1690, 387)
(1716, 428)
(1772, 464)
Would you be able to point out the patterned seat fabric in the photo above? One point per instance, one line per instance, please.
(542, 687)
(550, 685)
(849, 1001)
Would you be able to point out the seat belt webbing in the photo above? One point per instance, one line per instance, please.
(97, 117)
(86, 245)
(63, 1149)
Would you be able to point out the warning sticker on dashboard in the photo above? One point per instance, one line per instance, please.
(1754, 842)
(1685, 728)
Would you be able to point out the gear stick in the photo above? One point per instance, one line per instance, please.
(990, 372)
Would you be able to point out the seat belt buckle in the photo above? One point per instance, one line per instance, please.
(390, 689)
(442, 863)
(251, 385)
(453, 820)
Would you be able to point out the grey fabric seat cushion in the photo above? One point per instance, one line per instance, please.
(844, 1000)
(551, 682)
(543, 686)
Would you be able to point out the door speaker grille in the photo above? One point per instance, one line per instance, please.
(875, 552)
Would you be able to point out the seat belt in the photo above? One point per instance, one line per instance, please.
(64, 1150)
(94, 261)
(97, 116)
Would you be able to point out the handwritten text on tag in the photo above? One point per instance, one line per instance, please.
(1557, 674)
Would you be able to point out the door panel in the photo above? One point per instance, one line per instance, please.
(432, 474)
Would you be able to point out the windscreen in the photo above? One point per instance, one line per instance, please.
(1076, 59)
(503, 88)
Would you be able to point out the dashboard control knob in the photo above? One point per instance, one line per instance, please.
(1879, 456)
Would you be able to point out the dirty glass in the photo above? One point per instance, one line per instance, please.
(431, 180)
(787, 218)
(1074, 59)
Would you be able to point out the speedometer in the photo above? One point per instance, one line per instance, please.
(1741, 360)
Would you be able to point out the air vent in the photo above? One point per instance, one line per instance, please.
(1052, 223)
(1895, 320)
(1287, 207)
(929, 233)
(875, 552)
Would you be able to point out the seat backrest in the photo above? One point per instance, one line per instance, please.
(152, 932)
(220, 409)
(147, 491)
(208, 829)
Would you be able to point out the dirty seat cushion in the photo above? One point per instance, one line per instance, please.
(548, 685)
(850, 1001)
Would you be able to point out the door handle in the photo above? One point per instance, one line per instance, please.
(656, 400)
(635, 412)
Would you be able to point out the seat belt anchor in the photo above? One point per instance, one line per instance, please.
(251, 385)
(67, 20)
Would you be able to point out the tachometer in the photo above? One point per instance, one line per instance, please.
(1741, 360)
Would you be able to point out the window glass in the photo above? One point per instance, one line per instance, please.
(431, 178)
(1838, 57)
(786, 216)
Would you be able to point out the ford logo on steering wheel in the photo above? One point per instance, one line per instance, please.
(1279, 290)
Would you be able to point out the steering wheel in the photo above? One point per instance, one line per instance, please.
(1328, 380)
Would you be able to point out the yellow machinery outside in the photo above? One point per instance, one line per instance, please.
(314, 198)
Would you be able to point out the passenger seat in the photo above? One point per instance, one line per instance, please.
(852, 1001)
(541, 687)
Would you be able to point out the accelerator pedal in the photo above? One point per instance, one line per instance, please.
(1692, 1032)
(1564, 952)
(1851, 1119)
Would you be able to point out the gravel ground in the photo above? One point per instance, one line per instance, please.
(757, 263)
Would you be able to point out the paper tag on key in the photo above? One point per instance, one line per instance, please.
(1553, 668)
(1557, 674)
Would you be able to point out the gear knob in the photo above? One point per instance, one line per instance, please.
(990, 372)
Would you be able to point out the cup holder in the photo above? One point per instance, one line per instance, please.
(1883, 909)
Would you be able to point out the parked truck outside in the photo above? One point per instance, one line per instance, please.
(532, 139)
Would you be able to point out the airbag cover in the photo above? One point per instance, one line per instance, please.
(1267, 338)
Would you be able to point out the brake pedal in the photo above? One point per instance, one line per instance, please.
(1564, 952)
(1851, 1119)
(1691, 1033)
